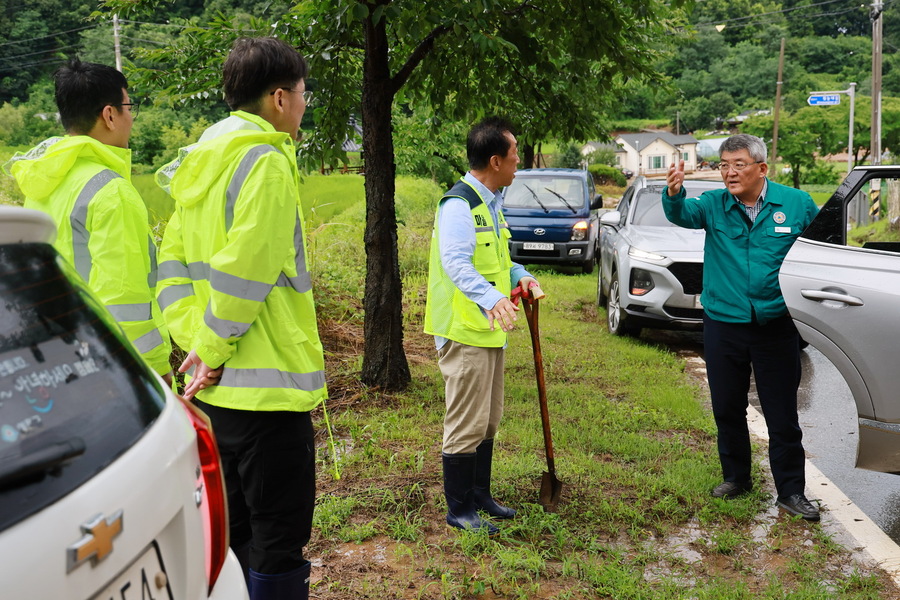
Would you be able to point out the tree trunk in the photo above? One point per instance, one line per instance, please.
(384, 362)
(795, 174)
(528, 155)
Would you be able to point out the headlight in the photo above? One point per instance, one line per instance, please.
(644, 255)
(579, 231)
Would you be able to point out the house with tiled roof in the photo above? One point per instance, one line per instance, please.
(651, 152)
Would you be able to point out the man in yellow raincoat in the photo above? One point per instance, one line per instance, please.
(236, 293)
(83, 181)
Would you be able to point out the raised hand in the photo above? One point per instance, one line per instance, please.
(675, 178)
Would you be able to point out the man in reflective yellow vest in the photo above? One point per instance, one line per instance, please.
(236, 293)
(83, 181)
(468, 310)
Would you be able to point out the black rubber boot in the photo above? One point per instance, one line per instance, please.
(293, 585)
(483, 498)
(459, 482)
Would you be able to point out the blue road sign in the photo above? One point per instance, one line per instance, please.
(824, 100)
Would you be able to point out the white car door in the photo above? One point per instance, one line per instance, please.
(845, 301)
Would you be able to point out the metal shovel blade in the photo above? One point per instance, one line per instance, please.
(551, 490)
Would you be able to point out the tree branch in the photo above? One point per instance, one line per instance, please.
(416, 56)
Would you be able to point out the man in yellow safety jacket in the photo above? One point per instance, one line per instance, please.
(235, 292)
(468, 310)
(83, 181)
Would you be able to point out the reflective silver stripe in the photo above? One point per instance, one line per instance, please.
(148, 341)
(153, 274)
(78, 220)
(173, 268)
(272, 378)
(198, 271)
(173, 294)
(301, 282)
(240, 176)
(130, 312)
(483, 229)
(246, 289)
(223, 327)
(504, 225)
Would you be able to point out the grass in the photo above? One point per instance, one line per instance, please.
(634, 445)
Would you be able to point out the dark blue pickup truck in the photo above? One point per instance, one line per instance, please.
(552, 215)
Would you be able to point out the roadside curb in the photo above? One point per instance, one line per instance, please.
(841, 516)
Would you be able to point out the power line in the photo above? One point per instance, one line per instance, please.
(49, 35)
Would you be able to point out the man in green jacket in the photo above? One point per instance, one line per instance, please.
(750, 226)
(236, 294)
(83, 181)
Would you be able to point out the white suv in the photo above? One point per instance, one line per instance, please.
(110, 485)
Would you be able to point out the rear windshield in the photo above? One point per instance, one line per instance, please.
(546, 193)
(73, 394)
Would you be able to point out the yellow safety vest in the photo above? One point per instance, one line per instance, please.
(448, 312)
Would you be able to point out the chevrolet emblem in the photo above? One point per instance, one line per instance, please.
(96, 543)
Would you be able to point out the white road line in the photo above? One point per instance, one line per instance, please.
(858, 532)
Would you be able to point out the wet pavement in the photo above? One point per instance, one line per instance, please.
(830, 431)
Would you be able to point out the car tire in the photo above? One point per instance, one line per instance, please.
(617, 320)
(587, 267)
(601, 297)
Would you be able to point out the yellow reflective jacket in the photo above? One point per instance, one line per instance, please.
(102, 230)
(234, 284)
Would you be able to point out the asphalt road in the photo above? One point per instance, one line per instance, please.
(830, 431)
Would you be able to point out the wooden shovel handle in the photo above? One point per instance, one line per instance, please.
(532, 312)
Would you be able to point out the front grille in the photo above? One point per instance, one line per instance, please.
(689, 275)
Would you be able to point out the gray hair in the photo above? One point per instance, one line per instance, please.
(744, 141)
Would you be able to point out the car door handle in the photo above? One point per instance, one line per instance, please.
(834, 296)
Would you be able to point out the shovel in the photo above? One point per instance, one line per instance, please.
(551, 487)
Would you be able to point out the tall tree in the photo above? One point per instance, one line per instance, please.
(545, 63)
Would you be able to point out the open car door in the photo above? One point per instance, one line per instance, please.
(845, 300)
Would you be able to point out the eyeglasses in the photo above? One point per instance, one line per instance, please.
(134, 107)
(307, 95)
(738, 166)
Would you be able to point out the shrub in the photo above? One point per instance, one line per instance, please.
(607, 175)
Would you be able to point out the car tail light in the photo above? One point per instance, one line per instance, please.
(210, 496)
(641, 282)
(580, 230)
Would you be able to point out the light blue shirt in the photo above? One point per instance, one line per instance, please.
(456, 233)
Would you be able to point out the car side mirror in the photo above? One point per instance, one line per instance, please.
(611, 218)
(597, 202)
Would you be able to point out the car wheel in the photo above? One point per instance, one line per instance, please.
(601, 297)
(617, 319)
(587, 266)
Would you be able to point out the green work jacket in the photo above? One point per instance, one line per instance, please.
(102, 230)
(741, 259)
(234, 283)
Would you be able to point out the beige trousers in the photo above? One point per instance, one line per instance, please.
(473, 379)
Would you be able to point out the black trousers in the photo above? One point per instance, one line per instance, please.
(773, 352)
(269, 465)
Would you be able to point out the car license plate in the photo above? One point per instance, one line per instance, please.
(537, 246)
(145, 579)
(697, 301)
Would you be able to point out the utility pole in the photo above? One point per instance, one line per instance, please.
(677, 122)
(875, 145)
(116, 43)
(774, 156)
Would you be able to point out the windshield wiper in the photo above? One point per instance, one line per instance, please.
(536, 199)
(566, 202)
(40, 461)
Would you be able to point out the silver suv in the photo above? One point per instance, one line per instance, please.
(651, 271)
